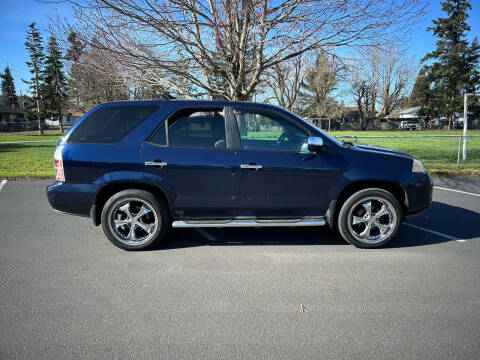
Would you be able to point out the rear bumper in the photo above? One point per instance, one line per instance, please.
(419, 192)
(74, 199)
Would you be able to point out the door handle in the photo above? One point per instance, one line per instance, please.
(156, 163)
(250, 166)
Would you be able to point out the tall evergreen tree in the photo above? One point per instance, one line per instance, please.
(34, 47)
(54, 82)
(9, 95)
(421, 95)
(455, 66)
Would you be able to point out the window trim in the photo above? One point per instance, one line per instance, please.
(271, 114)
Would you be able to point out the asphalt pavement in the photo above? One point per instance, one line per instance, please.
(283, 293)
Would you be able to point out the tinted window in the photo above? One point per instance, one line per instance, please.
(159, 137)
(110, 124)
(201, 129)
(262, 132)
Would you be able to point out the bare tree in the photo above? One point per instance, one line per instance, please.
(396, 73)
(177, 42)
(379, 79)
(94, 76)
(284, 80)
(363, 81)
(320, 81)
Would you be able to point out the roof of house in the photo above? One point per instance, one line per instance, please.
(7, 109)
(409, 111)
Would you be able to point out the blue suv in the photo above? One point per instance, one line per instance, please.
(139, 167)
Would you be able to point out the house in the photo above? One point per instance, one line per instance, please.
(410, 113)
(67, 119)
(11, 114)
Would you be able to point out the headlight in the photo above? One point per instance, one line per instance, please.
(417, 166)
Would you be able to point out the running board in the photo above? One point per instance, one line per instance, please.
(248, 223)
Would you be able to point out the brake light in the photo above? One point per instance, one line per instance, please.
(58, 164)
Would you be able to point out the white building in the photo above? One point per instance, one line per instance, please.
(410, 113)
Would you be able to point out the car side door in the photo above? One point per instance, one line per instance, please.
(279, 177)
(189, 154)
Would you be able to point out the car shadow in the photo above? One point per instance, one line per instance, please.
(440, 217)
(447, 219)
(182, 238)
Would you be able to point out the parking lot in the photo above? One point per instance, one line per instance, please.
(66, 291)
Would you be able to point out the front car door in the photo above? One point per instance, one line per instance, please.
(279, 176)
(189, 154)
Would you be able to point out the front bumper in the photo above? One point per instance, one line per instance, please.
(74, 199)
(419, 192)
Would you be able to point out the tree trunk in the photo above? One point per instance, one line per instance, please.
(40, 130)
(60, 121)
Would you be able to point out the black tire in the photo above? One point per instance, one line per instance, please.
(151, 227)
(354, 205)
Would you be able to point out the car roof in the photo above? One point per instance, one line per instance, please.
(174, 103)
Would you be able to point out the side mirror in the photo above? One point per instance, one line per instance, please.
(315, 144)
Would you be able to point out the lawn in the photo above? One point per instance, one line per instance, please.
(35, 159)
(437, 154)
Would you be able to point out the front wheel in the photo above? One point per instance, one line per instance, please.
(134, 219)
(370, 218)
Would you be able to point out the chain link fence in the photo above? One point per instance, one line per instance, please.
(17, 126)
(437, 152)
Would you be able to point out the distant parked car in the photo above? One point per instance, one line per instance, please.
(139, 167)
(409, 125)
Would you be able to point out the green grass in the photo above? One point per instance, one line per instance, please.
(264, 135)
(29, 159)
(437, 154)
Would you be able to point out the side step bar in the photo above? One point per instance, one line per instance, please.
(248, 223)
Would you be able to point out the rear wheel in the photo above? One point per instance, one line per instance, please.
(134, 219)
(370, 218)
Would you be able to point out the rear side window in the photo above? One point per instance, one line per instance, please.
(193, 128)
(110, 124)
(199, 130)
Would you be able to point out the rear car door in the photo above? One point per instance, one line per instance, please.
(279, 177)
(189, 154)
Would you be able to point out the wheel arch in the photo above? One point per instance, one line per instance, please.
(106, 191)
(392, 187)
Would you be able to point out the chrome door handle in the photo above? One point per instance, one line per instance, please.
(250, 166)
(155, 163)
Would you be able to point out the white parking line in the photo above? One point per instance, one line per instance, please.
(2, 184)
(206, 234)
(434, 232)
(458, 191)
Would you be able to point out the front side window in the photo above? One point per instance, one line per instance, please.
(194, 128)
(264, 132)
(110, 124)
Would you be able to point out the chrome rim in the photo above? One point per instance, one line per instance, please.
(133, 221)
(372, 220)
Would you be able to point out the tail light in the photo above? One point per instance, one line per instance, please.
(58, 164)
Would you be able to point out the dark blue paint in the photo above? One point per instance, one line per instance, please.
(208, 183)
